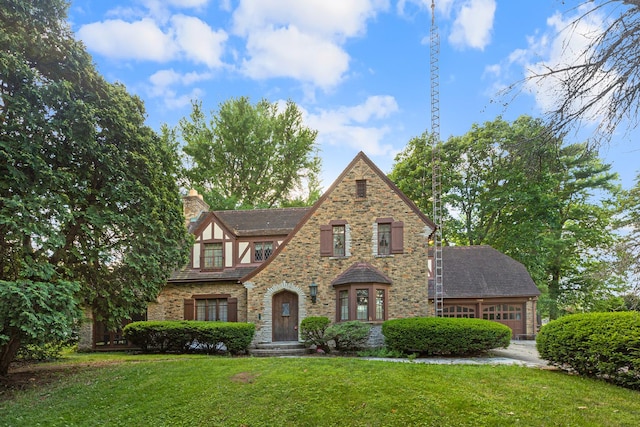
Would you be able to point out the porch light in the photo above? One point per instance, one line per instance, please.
(313, 291)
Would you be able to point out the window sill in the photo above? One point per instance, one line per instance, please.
(385, 256)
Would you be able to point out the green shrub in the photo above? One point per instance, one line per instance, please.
(312, 331)
(349, 336)
(41, 352)
(602, 345)
(195, 336)
(444, 336)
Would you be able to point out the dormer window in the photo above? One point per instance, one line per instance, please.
(212, 256)
(361, 188)
(262, 251)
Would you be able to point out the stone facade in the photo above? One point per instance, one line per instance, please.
(299, 262)
(170, 302)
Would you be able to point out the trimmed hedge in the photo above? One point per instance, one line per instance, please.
(444, 336)
(190, 336)
(602, 345)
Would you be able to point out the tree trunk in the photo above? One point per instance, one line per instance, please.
(554, 293)
(8, 352)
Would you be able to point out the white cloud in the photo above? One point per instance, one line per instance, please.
(354, 127)
(141, 40)
(473, 24)
(332, 19)
(443, 7)
(301, 40)
(163, 83)
(198, 41)
(287, 52)
(144, 40)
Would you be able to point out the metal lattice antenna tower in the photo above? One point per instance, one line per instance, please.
(436, 182)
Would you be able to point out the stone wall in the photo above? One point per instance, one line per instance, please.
(299, 263)
(170, 302)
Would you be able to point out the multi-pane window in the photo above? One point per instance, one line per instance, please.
(459, 311)
(212, 256)
(384, 238)
(343, 303)
(364, 302)
(379, 304)
(212, 309)
(262, 251)
(502, 312)
(338, 240)
(361, 188)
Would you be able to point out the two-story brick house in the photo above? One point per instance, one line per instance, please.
(361, 252)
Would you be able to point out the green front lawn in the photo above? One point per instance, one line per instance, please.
(316, 391)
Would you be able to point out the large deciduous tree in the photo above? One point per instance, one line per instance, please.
(248, 155)
(515, 187)
(90, 213)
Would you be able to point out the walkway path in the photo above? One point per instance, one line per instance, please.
(523, 353)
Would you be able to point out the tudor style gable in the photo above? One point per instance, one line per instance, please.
(230, 244)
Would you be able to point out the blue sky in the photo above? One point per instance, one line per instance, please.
(359, 69)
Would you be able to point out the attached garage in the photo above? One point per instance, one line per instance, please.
(482, 283)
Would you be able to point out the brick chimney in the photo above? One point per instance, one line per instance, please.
(193, 205)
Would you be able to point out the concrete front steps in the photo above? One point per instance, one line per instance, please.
(279, 349)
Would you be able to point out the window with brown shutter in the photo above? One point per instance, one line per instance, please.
(326, 248)
(189, 309)
(397, 237)
(334, 239)
(211, 308)
(390, 235)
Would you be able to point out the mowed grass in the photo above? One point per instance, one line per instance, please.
(314, 391)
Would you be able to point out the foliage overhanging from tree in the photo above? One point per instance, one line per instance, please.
(90, 212)
(514, 187)
(602, 85)
(247, 156)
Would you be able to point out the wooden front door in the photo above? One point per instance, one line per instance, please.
(285, 316)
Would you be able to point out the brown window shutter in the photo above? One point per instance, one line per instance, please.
(326, 248)
(397, 237)
(232, 310)
(189, 309)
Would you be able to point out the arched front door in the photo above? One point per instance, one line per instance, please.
(285, 316)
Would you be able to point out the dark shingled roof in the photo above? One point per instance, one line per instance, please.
(261, 222)
(195, 275)
(361, 272)
(483, 272)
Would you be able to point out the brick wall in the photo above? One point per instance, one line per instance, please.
(299, 262)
